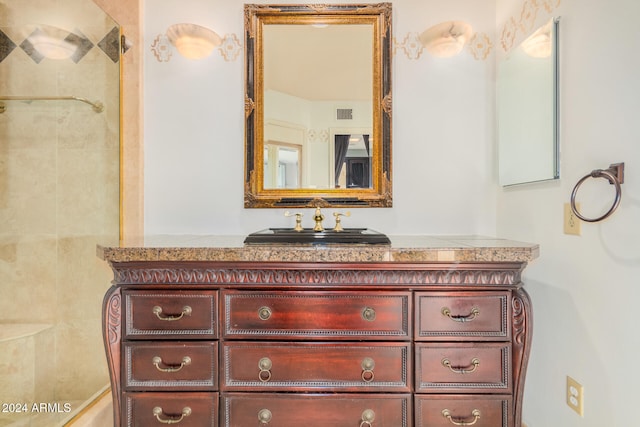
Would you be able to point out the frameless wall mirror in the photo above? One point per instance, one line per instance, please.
(318, 105)
(527, 93)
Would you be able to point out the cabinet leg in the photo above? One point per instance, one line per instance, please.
(112, 336)
(522, 335)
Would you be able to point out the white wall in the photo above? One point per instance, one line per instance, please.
(443, 154)
(585, 289)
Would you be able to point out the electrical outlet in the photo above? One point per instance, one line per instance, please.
(575, 396)
(571, 221)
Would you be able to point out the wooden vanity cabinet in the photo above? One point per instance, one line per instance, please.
(383, 344)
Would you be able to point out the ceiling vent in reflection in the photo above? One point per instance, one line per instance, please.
(344, 113)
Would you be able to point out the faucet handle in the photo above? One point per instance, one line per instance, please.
(338, 226)
(298, 216)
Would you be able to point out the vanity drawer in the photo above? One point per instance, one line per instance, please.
(463, 368)
(326, 410)
(317, 315)
(170, 314)
(450, 316)
(447, 411)
(183, 409)
(170, 366)
(379, 367)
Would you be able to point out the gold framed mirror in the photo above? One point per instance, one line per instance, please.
(318, 105)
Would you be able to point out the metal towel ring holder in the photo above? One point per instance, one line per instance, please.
(615, 175)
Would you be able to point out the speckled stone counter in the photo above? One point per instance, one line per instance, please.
(402, 249)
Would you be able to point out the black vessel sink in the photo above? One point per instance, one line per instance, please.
(307, 235)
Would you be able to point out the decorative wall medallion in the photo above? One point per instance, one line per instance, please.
(318, 135)
(231, 47)
(528, 15)
(549, 5)
(161, 48)
(508, 34)
(480, 46)
(410, 45)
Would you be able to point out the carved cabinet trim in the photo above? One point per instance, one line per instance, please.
(381, 344)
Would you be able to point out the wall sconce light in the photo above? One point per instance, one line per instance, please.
(538, 44)
(193, 41)
(52, 42)
(446, 39)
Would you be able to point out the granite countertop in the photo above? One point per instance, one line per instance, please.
(401, 249)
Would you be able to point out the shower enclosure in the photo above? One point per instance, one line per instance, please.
(59, 196)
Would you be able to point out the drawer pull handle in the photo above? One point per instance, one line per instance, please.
(158, 413)
(368, 416)
(475, 414)
(157, 310)
(461, 319)
(157, 360)
(475, 362)
(367, 369)
(264, 415)
(369, 314)
(265, 364)
(264, 313)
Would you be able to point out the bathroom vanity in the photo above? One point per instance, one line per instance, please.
(426, 331)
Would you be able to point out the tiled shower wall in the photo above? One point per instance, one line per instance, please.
(59, 183)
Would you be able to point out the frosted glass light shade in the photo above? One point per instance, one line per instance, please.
(193, 41)
(446, 39)
(51, 42)
(538, 44)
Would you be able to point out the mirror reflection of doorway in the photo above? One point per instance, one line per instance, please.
(282, 165)
(358, 172)
(352, 161)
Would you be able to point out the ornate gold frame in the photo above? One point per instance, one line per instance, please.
(379, 15)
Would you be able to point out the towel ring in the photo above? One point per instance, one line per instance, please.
(615, 175)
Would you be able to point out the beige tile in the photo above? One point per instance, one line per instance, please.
(27, 205)
(86, 203)
(17, 367)
(75, 178)
(27, 278)
(81, 361)
(83, 282)
(44, 366)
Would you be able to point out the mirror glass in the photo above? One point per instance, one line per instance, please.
(318, 105)
(527, 92)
